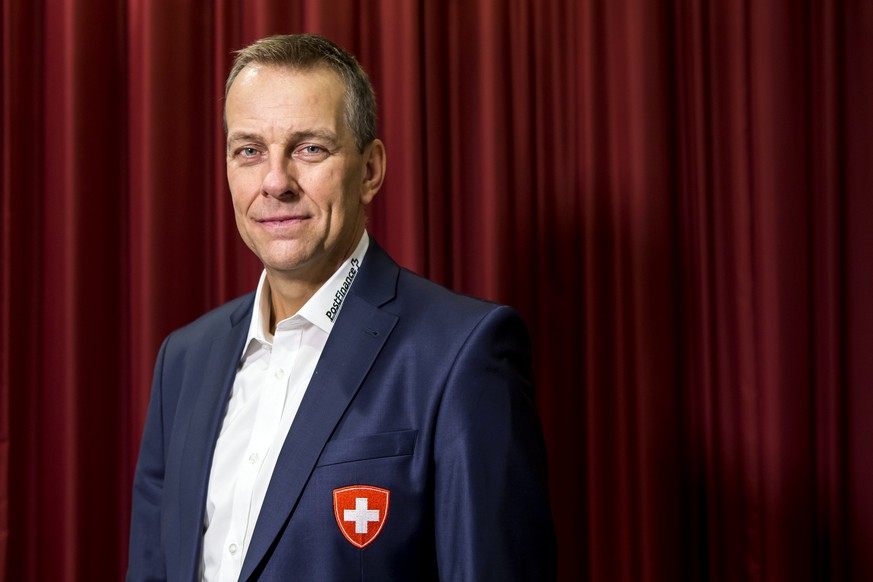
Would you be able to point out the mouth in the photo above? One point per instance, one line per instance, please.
(282, 220)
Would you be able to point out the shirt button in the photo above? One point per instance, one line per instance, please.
(279, 373)
(232, 548)
(254, 458)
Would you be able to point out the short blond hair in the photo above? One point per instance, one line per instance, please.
(305, 52)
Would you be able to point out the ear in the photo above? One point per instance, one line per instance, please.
(374, 170)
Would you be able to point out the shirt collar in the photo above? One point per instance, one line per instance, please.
(320, 310)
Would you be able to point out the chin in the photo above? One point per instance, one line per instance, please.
(283, 256)
(283, 264)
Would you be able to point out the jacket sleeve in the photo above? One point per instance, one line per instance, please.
(146, 558)
(492, 517)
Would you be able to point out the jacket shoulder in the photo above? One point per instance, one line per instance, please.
(426, 293)
(423, 304)
(385, 284)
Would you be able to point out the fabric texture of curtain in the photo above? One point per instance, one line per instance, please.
(676, 194)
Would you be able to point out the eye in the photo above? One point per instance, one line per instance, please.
(311, 153)
(246, 153)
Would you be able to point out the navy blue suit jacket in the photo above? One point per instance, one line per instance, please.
(420, 391)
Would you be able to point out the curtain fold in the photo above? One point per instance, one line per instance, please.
(675, 194)
(855, 176)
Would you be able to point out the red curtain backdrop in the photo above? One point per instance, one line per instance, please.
(676, 194)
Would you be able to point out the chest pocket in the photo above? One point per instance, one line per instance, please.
(376, 446)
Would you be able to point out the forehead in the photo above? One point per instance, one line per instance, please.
(263, 91)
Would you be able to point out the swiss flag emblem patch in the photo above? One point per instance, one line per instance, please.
(360, 512)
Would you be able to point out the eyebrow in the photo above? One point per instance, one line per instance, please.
(234, 137)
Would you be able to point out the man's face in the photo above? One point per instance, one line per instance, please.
(298, 182)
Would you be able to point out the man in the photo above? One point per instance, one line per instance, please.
(348, 420)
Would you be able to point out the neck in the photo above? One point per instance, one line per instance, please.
(289, 291)
(287, 297)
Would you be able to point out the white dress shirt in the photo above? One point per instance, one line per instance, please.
(270, 382)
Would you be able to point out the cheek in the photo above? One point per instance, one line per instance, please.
(239, 208)
(323, 189)
(244, 185)
(243, 195)
(317, 178)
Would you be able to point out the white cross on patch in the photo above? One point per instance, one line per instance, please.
(361, 515)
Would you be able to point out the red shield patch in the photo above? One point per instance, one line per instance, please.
(360, 512)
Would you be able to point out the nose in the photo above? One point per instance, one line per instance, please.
(280, 180)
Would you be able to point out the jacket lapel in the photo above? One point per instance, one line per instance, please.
(355, 341)
(220, 365)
